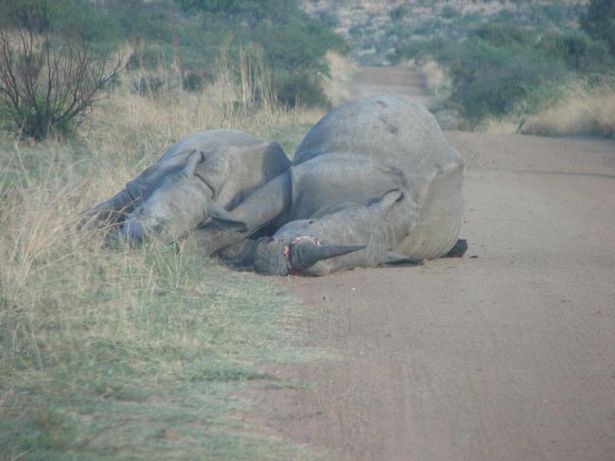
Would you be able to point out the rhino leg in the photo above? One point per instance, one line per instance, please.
(458, 250)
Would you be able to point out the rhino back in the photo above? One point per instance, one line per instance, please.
(208, 140)
(384, 127)
(242, 162)
(323, 184)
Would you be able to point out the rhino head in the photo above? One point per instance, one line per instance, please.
(292, 256)
(179, 204)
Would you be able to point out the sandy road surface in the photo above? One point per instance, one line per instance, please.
(507, 354)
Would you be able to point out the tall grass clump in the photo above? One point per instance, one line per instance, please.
(586, 108)
(131, 354)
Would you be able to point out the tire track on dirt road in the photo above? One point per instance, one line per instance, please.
(506, 354)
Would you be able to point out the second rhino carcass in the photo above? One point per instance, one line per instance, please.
(373, 183)
(201, 176)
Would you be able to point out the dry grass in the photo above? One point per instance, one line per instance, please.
(436, 78)
(583, 111)
(338, 86)
(103, 352)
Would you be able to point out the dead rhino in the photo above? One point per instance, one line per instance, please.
(373, 183)
(201, 176)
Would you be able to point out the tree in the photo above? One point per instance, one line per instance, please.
(599, 21)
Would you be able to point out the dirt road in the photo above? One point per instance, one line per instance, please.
(506, 354)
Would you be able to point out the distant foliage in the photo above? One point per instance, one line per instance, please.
(294, 44)
(490, 80)
(579, 51)
(76, 19)
(599, 21)
(500, 68)
(187, 38)
(503, 35)
(300, 89)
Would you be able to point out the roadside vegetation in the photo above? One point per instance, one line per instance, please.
(143, 353)
(59, 57)
(130, 354)
(495, 61)
(526, 67)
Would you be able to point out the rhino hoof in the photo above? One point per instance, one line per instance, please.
(458, 250)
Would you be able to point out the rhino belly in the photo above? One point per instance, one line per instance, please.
(439, 217)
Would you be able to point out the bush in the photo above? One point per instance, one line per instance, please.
(68, 18)
(300, 90)
(494, 81)
(449, 12)
(47, 84)
(192, 82)
(599, 21)
(292, 43)
(399, 13)
(579, 51)
(504, 35)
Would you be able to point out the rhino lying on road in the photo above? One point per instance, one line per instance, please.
(373, 183)
(199, 177)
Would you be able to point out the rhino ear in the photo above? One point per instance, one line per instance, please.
(222, 219)
(194, 158)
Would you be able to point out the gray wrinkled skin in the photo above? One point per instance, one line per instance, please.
(377, 173)
(201, 176)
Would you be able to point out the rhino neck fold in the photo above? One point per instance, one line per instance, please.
(265, 204)
(211, 191)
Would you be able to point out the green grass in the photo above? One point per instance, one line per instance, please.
(126, 354)
(111, 348)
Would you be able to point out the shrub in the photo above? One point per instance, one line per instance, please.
(490, 80)
(599, 21)
(399, 13)
(503, 35)
(48, 84)
(69, 18)
(293, 44)
(449, 12)
(579, 51)
(148, 85)
(300, 90)
(192, 82)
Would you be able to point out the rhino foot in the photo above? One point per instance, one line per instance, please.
(458, 250)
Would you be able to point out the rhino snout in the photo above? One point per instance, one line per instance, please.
(133, 232)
